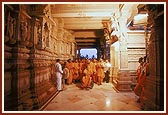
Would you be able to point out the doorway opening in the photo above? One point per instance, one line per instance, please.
(89, 53)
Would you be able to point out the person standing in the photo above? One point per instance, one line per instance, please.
(139, 69)
(100, 72)
(87, 79)
(65, 75)
(139, 88)
(59, 72)
(94, 75)
(69, 65)
(107, 71)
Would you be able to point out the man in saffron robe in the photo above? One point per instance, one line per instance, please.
(139, 88)
(69, 65)
(100, 71)
(87, 79)
(65, 76)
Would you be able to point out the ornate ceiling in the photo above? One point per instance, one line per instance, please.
(84, 16)
(88, 16)
(87, 20)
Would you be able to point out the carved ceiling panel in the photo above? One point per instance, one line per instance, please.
(90, 16)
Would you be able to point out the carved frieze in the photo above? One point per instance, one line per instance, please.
(10, 25)
(25, 28)
(42, 30)
(38, 33)
(54, 31)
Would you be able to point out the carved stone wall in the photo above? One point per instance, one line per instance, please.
(32, 42)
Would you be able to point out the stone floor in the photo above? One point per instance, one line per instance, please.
(103, 98)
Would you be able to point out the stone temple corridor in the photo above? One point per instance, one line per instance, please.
(35, 35)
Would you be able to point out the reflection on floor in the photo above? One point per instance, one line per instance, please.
(100, 98)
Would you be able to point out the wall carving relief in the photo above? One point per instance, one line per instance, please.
(25, 29)
(32, 43)
(10, 28)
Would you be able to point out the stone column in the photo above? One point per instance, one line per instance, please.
(124, 80)
(153, 98)
(114, 63)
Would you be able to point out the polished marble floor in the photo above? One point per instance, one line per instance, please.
(99, 98)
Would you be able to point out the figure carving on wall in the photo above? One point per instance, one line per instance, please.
(30, 43)
(23, 31)
(28, 32)
(106, 33)
(39, 35)
(46, 35)
(11, 28)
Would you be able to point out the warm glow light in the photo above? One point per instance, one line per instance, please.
(140, 18)
(90, 52)
(108, 102)
(116, 45)
(94, 14)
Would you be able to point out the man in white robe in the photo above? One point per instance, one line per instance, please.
(59, 72)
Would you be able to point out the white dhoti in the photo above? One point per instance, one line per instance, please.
(59, 73)
(59, 81)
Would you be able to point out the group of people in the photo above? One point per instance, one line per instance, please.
(90, 71)
(142, 72)
(85, 71)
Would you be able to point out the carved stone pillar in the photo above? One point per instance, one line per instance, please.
(114, 62)
(124, 79)
(153, 98)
